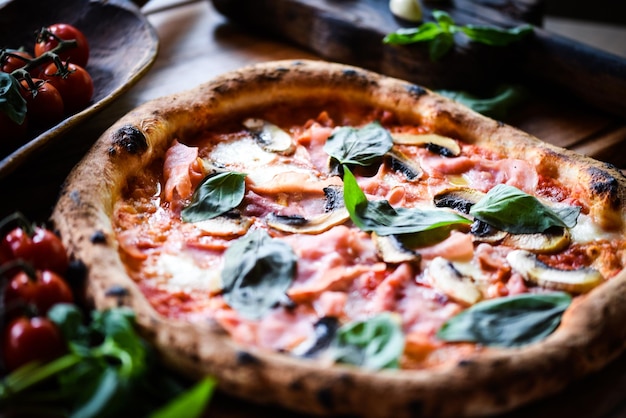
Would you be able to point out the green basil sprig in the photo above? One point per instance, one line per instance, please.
(257, 272)
(360, 146)
(11, 101)
(510, 209)
(508, 321)
(498, 106)
(440, 34)
(217, 194)
(375, 343)
(379, 216)
(107, 365)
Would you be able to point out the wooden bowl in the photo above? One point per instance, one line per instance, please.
(123, 46)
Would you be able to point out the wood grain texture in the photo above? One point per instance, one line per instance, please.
(122, 47)
(352, 32)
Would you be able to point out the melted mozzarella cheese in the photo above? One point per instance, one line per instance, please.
(587, 231)
(181, 272)
(243, 153)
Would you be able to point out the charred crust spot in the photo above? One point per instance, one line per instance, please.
(325, 398)
(98, 237)
(416, 91)
(244, 358)
(76, 272)
(130, 139)
(350, 73)
(604, 184)
(275, 74)
(116, 291)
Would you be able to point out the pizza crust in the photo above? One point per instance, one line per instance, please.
(492, 381)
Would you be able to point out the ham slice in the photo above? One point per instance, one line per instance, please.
(180, 167)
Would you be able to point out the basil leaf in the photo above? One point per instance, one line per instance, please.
(360, 146)
(375, 343)
(440, 34)
(191, 403)
(444, 20)
(510, 209)
(497, 107)
(11, 101)
(440, 46)
(494, 36)
(121, 341)
(217, 194)
(99, 395)
(258, 271)
(508, 321)
(425, 32)
(380, 217)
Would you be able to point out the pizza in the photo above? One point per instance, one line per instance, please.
(338, 242)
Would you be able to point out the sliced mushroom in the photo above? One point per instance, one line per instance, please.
(269, 136)
(483, 232)
(225, 225)
(400, 162)
(463, 198)
(543, 243)
(334, 198)
(315, 225)
(392, 251)
(536, 272)
(458, 198)
(438, 144)
(450, 281)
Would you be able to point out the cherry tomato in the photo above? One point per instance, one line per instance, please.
(29, 339)
(76, 88)
(11, 63)
(45, 107)
(11, 133)
(44, 250)
(42, 291)
(78, 55)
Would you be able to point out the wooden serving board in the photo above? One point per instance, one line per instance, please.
(352, 32)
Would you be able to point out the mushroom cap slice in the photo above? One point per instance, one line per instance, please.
(458, 198)
(442, 145)
(269, 136)
(315, 225)
(392, 251)
(536, 272)
(225, 226)
(541, 243)
(450, 281)
(400, 162)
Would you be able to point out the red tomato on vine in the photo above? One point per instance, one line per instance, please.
(44, 103)
(40, 289)
(14, 59)
(73, 82)
(43, 249)
(31, 339)
(47, 41)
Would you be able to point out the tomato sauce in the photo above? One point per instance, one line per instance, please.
(340, 271)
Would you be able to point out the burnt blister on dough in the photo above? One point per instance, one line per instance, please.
(98, 237)
(129, 139)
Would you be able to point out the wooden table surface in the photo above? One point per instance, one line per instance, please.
(197, 43)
